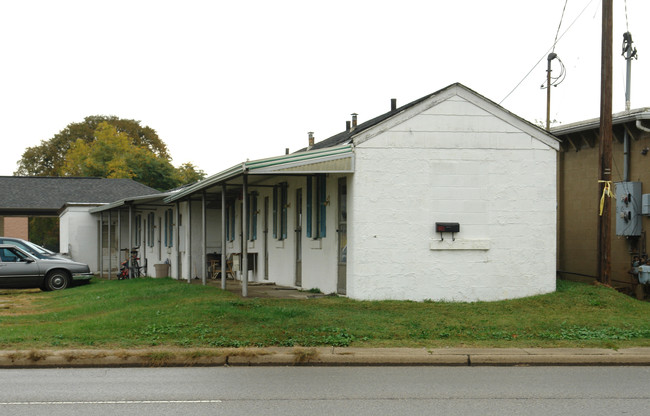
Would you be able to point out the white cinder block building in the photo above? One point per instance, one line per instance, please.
(360, 213)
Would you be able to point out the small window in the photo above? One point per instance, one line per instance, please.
(138, 230)
(317, 206)
(251, 206)
(150, 228)
(169, 228)
(284, 206)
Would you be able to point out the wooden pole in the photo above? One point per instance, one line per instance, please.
(605, 148)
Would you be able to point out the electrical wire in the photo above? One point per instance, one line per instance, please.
(547, 52)
(560, 25)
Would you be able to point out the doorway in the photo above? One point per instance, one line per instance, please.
(266, 238)
(299, 237)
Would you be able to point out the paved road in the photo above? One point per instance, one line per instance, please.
(327, 391)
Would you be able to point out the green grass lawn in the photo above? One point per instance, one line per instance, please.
(142, 313)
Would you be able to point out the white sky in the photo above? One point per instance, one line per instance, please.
(226, 81)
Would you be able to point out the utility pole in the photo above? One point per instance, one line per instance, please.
(550, 57)
(605, 148)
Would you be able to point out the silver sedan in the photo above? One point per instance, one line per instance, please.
(19, 269)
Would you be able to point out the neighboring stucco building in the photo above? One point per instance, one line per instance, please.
(579, 195)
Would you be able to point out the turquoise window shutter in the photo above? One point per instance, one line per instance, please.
(322, 205)
(275, 212)
(309, 205)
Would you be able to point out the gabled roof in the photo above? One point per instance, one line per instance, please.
(39, 195)
(345, 137)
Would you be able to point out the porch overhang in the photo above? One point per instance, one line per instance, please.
(338, 159)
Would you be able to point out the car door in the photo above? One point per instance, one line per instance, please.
(17, 269)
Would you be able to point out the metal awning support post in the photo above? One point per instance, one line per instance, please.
(204, 225)
(110, 266)
(177, 237)
(130, 241)
(223, 237)
(189, 239)
(100, 259)
(244, 227)
(119, 237)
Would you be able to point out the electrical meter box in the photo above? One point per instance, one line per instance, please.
(628, 208)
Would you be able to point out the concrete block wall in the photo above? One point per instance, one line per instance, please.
(496, 181)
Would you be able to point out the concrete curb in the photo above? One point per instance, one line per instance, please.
(324, 356)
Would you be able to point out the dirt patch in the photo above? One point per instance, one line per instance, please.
(17, 302)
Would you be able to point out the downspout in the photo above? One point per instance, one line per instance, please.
(640, 126)
(223, 236)
(204, 238)
(119, 237)
(244, 254)
(189, 238)
(110, 268)
(100, 257)
(177, 226)
(130, 242)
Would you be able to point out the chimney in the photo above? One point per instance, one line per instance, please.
(354, 120)
(286, 151)
(393, 104)
(311, 138)
(347, 125)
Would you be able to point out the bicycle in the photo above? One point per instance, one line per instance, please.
(131, 264)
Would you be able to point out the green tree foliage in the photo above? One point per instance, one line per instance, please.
(108, 147)
(48, 158)
(112, 154)
(44, 231)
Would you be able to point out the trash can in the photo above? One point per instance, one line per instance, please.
(162, 270)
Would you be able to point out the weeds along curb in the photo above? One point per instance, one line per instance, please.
(322, 356)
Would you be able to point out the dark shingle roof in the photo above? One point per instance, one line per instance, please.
(38, 195)
(346, 136)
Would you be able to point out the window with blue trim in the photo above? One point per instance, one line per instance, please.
(169, 228)
(151, 224)
(317, 206)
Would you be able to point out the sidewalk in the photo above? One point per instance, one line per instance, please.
(325, 356)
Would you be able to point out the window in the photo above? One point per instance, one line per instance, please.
(138, 230)
(316, 206)
(251, 206)
(169, 228)
(230, 221)
(150, 228)
(275, 211)
(284, 205)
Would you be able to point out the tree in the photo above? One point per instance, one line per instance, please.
(106, 147)
(112, 154)
(48, 158)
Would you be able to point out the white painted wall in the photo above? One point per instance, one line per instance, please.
(454, 162)
(78, 235)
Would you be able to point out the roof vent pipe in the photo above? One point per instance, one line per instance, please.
(347, 125)
(354, 120)
(311, 138)
(393, 104)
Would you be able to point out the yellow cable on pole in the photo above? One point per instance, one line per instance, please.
(607, 191)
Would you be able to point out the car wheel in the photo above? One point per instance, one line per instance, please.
(56, 280)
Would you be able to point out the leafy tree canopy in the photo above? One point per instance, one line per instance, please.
(111, 148)
(48, 158)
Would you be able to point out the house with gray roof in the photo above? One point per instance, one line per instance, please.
(69, 198)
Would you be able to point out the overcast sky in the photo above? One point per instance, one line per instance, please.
(226, 81)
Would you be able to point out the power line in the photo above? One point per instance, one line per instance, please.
(547, 52)
(560, 25)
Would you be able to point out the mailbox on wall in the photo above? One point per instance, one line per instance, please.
(447, 227)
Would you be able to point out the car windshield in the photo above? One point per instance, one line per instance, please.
(38, 248)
